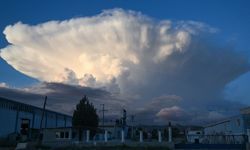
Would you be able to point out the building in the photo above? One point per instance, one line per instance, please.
(66, 136)
(236, 125)
(25, 119)
(232, 129)
(194, 135)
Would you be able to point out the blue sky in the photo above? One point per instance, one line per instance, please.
(230, 17)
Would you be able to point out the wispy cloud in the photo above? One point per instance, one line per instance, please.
(3, 84)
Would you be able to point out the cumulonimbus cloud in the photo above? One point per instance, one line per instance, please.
(99, 48)
(130, 54)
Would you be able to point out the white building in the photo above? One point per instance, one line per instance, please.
(236, 125)
(194, 136)
(232, 129)
(16, 117)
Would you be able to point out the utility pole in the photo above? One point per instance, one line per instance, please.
(44, 105)
(41, 123)
(124, 118)
(103, 110)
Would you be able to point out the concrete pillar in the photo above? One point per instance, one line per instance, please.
(70, 133)
(159, 137)
(169, 134)
(106, 136)
(141, 136)
(123, 140)
(248, 134)
(87, 135)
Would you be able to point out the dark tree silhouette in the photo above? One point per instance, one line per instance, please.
(85, 117)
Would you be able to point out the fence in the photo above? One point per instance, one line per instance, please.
(217, 139)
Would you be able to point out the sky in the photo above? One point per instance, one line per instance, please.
(164, 60)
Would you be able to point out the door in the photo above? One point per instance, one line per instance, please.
(25, 125)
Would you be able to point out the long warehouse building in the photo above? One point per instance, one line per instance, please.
(20, 118)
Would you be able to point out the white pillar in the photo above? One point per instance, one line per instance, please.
(169, 134)
(70, 133)
(106, 136)
(248, 134)
(141, 136)
(123, 140)
(159, 136)
(87, 136)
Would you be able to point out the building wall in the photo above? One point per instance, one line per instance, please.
(246, 118)
(50, 135)
(7, 121)
(192, 135)
(12, 113)
(232, 126)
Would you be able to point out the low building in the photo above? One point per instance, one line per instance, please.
(230, 129)
(236, 125)
(24, 119)
(194, 136)
(59, 136)
(65, 136)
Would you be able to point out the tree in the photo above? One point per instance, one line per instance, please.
(85, 117)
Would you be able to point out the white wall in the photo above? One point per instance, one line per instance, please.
(8, 119)
(233, 126)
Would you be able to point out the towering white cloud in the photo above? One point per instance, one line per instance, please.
(133, 55)
(103, 46)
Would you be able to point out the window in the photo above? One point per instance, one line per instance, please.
(61, 135)
(73, 134)
(66, 135)
(57, 135)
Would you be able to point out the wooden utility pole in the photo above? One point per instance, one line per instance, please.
(103, 110)
(41, 123)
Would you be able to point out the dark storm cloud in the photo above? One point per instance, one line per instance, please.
(198, 76)
(61, 97)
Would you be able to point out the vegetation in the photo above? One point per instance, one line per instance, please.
(85, 117)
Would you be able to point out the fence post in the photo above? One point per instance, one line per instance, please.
(70, 133)
(169, 132)
(106, 136)
(159, 136)
(141, 136)
(123, 140)
(87, 136)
